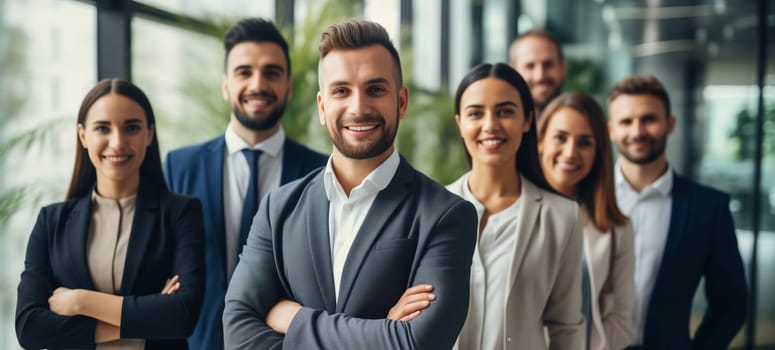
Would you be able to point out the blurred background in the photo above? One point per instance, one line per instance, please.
(712, 55)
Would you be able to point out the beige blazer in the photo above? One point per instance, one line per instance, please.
(546, 273)
(611, 309)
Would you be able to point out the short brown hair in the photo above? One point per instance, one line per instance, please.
(596, 191)
(641, 85)
(359, 33)
(537, 33)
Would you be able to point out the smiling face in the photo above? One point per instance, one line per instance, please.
(538, 61)
(116, 135)
(256, 85)
(567, 149)
(639, 126)
(492, 122)
(360, 102)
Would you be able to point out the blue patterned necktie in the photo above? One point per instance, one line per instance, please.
(250, 206)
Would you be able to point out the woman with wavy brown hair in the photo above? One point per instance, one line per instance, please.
(576, 158)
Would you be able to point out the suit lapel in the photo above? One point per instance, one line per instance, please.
(319, 244)
(291, 168)
(78, 225)
(679, 213)
(143, 225)
(528, 217)
(211, 165)
(387, 201)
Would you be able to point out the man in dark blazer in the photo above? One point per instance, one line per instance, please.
(683, 230)
(330, 254)
(257, 84)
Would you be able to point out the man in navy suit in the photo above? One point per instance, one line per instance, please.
(257, 85)
(683, 230)
(329, 255)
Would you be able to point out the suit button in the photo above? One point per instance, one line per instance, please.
(508, 340)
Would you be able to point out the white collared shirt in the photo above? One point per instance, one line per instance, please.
(236, 174)
(346, 214)
(490, 271)
(649, 213)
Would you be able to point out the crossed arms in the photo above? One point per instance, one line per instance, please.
(256, 288)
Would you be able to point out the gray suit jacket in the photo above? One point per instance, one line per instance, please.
(415, 232)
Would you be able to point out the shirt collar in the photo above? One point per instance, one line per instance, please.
(376, 181)
(662, 185)
(271, 146)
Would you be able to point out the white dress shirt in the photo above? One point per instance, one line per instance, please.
(649, 213)
(346, 214)
(490, 271)
(236, 174)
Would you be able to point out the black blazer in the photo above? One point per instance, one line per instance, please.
(166, 240)
(701, 242)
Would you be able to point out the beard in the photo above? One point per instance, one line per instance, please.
(658, 146)
(258, 123)
(375, 148)
(541, 104)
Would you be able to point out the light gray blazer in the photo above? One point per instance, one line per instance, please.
(546, 273)
(415, 232)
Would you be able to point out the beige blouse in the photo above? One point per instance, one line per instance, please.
(111, 226)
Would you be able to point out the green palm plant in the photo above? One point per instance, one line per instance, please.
(428, 136)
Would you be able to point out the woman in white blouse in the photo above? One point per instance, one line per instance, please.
(576, 158)
(526, 272)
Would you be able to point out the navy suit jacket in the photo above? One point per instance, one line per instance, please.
(198, 171)
(701, 242)
(415, 232)
(166, 240)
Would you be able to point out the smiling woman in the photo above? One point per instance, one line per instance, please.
(121, 262)
(577, 159)
(529, 248)
(116, 135)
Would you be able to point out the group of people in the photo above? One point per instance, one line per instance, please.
(253, 241)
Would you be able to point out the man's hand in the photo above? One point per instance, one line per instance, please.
(281, 315)
(414, 299)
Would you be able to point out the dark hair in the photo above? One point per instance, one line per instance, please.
(257, 30)
(527, 156)
(84, 173)
(641, 85)
(358, 33)
(595, 191)
(537, 33)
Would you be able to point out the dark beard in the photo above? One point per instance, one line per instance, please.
(540, 106)
(656, 152)
(260, 124)
(379, 147)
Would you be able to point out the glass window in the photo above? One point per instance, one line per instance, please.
(181, 72)
(47, 64)
(217, 9)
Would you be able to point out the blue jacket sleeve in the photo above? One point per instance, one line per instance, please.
(725, 287)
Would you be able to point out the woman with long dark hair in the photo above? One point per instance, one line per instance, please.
(120, 263)
(576, 157)
(526, 272)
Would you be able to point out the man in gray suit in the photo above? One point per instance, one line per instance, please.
(329, 255)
